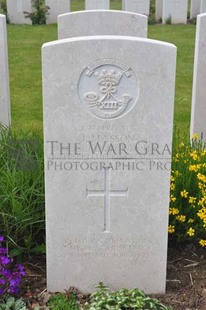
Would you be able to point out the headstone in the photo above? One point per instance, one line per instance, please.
(138, 6)
(158, 10)
(194, 8)
(57, 7)
(16, 9)
(203, 6)
(102, 22)
(198, 115)
(108, 120)
(97, 4)
(5, 118)
(173, 10)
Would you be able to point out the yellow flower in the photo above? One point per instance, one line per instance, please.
(194, 155)
(184, 193)
(201, 177)
(202, 213)
(195, 136)
(202, 242)
(172, 198)
(191, 232)
(190, 221)
(172, 186)
(194, 167)
(172, 178)
(177, 157)
(181, 218)
(181, 144)
(173, 211)
(171, 229)
(192, 199)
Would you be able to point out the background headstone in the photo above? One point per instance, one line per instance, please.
(158, 9)
(57, 7)
(198, 115)
(138, 6)
(176, 10)
(16, 9)
(108, 121)
(97, 4)
(5, 118)
(102, 22)
(195, 8)
(203, 6)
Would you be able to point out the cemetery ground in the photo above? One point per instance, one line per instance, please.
(186, 276)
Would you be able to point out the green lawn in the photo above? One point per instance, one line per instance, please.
(25, 70)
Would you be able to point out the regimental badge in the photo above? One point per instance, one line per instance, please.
(108, 89)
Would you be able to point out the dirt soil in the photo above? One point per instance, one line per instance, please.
(186, 280)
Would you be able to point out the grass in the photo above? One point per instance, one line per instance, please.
(25, 70)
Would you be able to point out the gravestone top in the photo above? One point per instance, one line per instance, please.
(101, 22)
(198, 112)
(108, 121)
(5, 118)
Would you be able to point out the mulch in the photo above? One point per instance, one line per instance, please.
(186, 280)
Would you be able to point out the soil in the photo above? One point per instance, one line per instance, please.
(186, 280)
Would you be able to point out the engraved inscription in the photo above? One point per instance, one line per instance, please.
(108, 89)
(107, 193)
(116, 248)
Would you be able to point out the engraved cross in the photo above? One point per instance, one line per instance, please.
(107, 193)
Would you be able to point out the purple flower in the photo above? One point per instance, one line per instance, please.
(5, 260)
(10, 274)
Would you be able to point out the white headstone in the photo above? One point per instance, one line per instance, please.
(97, 4)
(5, 118)
(102, 22)
(138, 6)
(174, 10)
(57, 7)
(108, 120)
(158, 9)
(203, 6)
(198, 116)
(195, 8)
(16, 9)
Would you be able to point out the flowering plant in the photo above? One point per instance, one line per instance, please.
(188, 193)
(10, 273)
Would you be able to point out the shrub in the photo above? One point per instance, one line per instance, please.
(63, 302)
(188, 193)
(125, 299)
(39, 14)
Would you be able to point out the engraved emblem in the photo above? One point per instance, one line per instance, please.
(108, 89)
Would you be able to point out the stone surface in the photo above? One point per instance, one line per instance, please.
(57, 7)
(158, 9)
(97, 4)
(102, 22)
(194, 8)
(138, 6)
(203, 6)
(5, 118)
(198, 116)
(176, 10)
(108, 120)
(16, 9)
